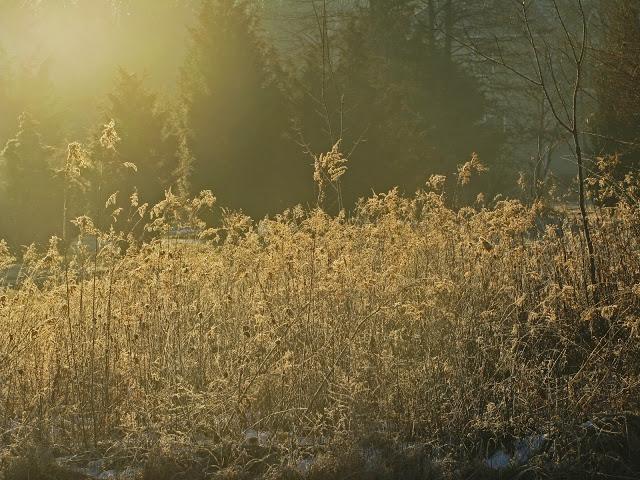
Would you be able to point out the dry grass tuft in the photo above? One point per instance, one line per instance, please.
(445, 333)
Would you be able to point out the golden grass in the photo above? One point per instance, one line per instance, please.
(410, 320)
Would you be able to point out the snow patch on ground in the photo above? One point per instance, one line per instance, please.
(523, 450)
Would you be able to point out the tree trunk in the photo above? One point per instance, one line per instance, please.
(583, 208)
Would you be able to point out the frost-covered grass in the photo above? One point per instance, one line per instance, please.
(438, 333)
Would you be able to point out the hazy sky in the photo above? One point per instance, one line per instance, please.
(84, 40)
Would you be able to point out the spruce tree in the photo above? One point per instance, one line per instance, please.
(148, 142)
(351, 89)
(405, 109)
(134, 150)
(238, 114)
(30, 200)
(6, 119)
(617, 77)
(28, 88)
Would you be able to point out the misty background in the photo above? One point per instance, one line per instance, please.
(240, 97)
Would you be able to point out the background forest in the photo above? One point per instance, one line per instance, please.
(238, 98)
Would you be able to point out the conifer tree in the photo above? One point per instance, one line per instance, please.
(134, 150)
(148, 143)
(405, 109)
(28, 88)
(616, 122)
(31, 195)
(6, 119)
(238, 114)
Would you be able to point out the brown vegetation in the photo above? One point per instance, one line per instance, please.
(453, 332)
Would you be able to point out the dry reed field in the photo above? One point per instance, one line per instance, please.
(408, 340)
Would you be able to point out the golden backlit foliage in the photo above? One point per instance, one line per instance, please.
(407, 318)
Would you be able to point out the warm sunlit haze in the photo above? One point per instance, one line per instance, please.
(319, 239)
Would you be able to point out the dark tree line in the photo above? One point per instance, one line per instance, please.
(616, 123)
(384, 81)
